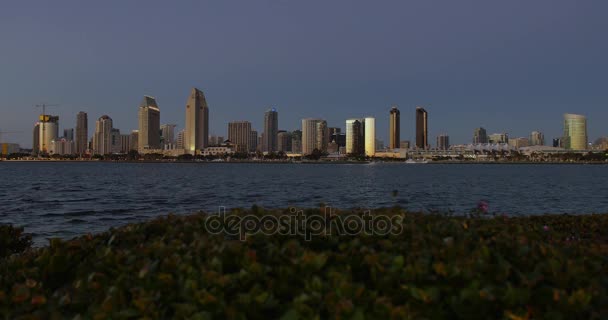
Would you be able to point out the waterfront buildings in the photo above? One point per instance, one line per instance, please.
(314, 135)
(422, 130)
(480, 136)
(296, 141)
(370, 136)
(134, 140)
(575, 132)
(443, 142)
(557, 143)
(239, 133)
(62, 146)
(271, 127)
(102, 139)
(8, 148)
(284, 141)
(149, 124)
(253, 141)
(394, 128)
(125, 143)
(405, 144)
(68, 134)
(82, 132)
(49, 131)
(537, 139)
(179, 142)
(196, 132)
(497, 138)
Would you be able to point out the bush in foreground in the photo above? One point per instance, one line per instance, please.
(551, 267)
(13, 240)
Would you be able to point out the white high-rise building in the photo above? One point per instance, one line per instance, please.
(102, 139)
(49, 131)
(314, 135)
(370, 136)
(196, 132)
(575, 132)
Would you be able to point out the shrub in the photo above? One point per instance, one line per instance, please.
(13, 240)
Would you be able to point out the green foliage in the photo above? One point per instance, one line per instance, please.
(13, 240)
(438, 267)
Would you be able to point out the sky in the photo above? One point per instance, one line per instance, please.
(509, 66)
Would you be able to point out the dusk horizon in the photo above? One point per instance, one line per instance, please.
(470, 64)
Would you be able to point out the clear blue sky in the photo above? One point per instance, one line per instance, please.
(513, 66)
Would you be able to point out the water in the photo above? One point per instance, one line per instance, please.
(59, 199)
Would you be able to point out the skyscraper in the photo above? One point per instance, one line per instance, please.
(271, 126)
(167, 134)
(312, 135)
(370, 136)
(253, 141)
(394, 128)
(196, 132)
(296, 141)
(82, 132)
(68, 134)
(134, 140)
(496, 138)
(239, 133)
(355, 136)
(480, 136)
(575, 132)
(102, 139)
(36, 139)
(422, 130)
(443, 142)
(537, 139)
(149, 124)
(284, 141)
(49, 131)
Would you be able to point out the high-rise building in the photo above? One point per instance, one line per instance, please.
(557, 143)
(355, 136)
(115, 141)
(179, 143)
(422, 130)
(394, 133)
(82, 132)
(62, 146)
(36, 139)
(196, 133)
(518, 142)
(284, 141)
(496, 138)
(49, 131)
(253, 141)
(125, 143)
(296, 141)
(102, 139)
(313, 131)
(149, 124)
(167, 133)
(575, 132)
(370, 136)
(239, 133)
(443, 142)
(271, 127)
(134, 140)
(68, 134)
(480, 136)
(537, 139)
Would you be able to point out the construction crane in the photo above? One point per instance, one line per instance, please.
(43, 119)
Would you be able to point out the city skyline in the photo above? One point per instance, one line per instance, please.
(472, 64)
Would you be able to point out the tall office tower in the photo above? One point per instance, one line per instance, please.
(125, 143)
(179, 142)
(49, 131)
(102, 139)
(197, 122)
(271, 127)
(36, 140)
(115, 141)
(480, 136)
(167, 134)
(312, 135)
(370, 136)
(253, 141)
(296, 141)
(284, 141)
(149, 124)
(82, 132)
(443, 142)
(422, 129)
(239, 133)
(575, 132)
(355, 136)
(394, 132)
(68, 134)
(496, 138)
(537, 138)
(134, 140)
(557, 143)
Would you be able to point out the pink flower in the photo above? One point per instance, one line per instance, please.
(546, 228)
